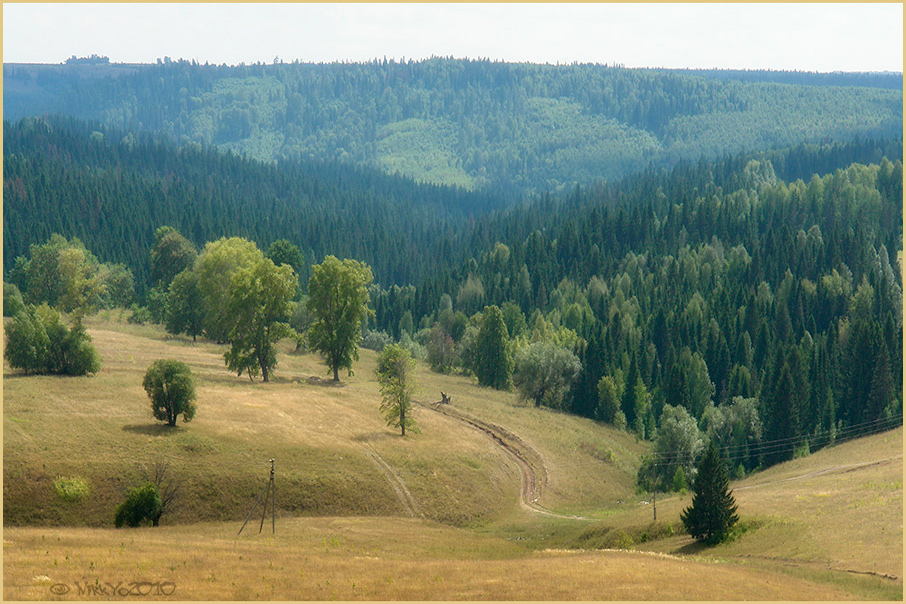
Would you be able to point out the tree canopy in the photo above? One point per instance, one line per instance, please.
(493, 362)
(713, 510)
(259, 313)
(171, 388)
(338, 299)
(395, 373)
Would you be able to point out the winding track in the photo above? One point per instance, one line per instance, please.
(410, 505)
(531, 465)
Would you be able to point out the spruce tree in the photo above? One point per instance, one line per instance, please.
(492, 363)
(713, 510)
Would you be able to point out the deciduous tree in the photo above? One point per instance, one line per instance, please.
(544, 373)
(395, 375)
(258, 315)
(215, 268)
(171, 388)
(338, 299)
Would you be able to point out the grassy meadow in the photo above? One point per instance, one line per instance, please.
(365, 514)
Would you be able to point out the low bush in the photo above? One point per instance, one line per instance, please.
(72, 489)
(142, 505)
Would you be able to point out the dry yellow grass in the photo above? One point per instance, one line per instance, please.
(324, 437)
(363, 558)
(822, 531)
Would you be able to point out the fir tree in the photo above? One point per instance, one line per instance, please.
(713, 510)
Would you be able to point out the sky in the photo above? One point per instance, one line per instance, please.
(780, 36)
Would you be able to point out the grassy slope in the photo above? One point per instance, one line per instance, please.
(320, 433)
(816, 530)
(365, 558)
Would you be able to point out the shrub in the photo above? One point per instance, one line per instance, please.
(142, 505)
(71, 489)
(12, 300)
(140, 315)
(376, 340)
(37, 341)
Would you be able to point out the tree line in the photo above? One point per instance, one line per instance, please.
(727, 306)
(715, 300)
(112, 189)
(484, 125)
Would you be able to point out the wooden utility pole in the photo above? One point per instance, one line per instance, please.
(654, 502)
(269, 492)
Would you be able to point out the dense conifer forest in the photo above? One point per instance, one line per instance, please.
(722, 247)
(477, 124)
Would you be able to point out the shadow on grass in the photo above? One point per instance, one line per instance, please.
(152, 429)
(692, 549)
(327, 382)
(372, 437)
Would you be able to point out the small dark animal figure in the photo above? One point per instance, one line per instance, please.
(444, 399)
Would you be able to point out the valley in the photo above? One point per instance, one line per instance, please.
(365, 514)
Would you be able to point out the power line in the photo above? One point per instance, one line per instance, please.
(783, 445)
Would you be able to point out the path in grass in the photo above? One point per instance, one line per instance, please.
(531, 465)
(396, 483)
(845, 468)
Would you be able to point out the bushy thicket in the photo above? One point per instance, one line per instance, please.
(38, 342)
(142, 505)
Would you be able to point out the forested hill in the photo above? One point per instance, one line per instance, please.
(885, 79)
(112, 190)
(472, 123)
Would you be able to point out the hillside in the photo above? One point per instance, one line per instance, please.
(500, 127)
(113, 188)
(363, 513)
(331, 446)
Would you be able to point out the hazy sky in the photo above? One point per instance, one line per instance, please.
(812, 37)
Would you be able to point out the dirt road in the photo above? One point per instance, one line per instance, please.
(531, 464)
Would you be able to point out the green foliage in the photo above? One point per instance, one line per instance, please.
(171, 388)
(72, 488)
(118, 285)
(37, 341)
(26, 342)
(376, 340)
(171, 254)
(492, 362)
(283, 252)
(185, 305)
(441, 349)
(736, 426)
(216, 265)
(300, 321)
(395, 375)
(142, 506)
(139, 315)
(713, 511)
(61, 273)
(679, 481)
(12, 300)
(258, 315)
(470, 296)
(158, 298)
(677, 445)
(136, 185)
(544, 373)
(470, 123)
(338, 299)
